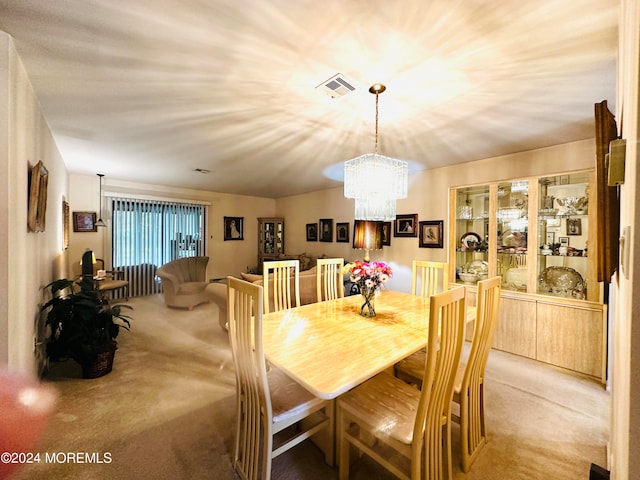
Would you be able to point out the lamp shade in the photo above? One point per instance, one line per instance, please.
(367, 235)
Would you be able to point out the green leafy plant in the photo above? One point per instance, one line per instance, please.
(82, 324)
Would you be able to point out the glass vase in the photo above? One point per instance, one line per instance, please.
(368, 307)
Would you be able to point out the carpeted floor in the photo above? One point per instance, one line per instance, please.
(167, 411)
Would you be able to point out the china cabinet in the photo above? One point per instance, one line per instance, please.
(270, 240)
(539, 235)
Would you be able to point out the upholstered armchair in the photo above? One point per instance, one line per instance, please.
(184, 282)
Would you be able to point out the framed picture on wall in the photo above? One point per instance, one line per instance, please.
(342, 232)
(574, 226)
(312, 232)
(431, 233)
(234, 228)
(386, 234)
(37, 206)
(84, 222)
(406, 225)
(65, 225)
(326, 230)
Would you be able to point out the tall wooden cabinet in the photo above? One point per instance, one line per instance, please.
(539, 234)
(270, 240)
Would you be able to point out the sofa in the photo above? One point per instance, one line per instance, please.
(184, 282)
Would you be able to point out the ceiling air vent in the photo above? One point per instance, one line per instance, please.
(336, 86)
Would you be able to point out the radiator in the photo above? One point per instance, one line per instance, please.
(142, 280)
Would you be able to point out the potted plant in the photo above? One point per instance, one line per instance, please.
(83, 326)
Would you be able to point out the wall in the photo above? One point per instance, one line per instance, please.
(226, 257)
(428, 196)
(625, 415)
(28, 261)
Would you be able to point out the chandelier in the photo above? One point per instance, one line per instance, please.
(375, 181)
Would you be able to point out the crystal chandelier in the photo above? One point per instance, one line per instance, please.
(375, 181)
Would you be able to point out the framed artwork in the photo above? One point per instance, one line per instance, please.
(386, 234)
(342, 232)
(84, 222)
(551, 238)
(564, 241)
(406, 225)
(37, 207)
(326, 230)
(574, 226)
(312, 232)
(233, 228)
(65, 225)
(553, 222)
(431, 234)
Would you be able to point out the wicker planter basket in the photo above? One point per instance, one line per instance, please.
(102, 365)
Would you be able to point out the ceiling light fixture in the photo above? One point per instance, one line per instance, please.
(100, 222)
(375, 181)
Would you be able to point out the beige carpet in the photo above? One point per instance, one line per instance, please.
(167, 411)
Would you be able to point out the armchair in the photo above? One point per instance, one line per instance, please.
(184, 282)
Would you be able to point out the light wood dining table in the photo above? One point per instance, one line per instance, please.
(329, 348)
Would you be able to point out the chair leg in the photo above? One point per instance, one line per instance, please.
(344, 447)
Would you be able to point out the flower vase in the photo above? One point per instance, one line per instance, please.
(368, 307)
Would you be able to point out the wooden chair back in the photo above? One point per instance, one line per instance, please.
(428, 278)
(470, 393)
(329, 278)
(282, 288)
(244, 309)
(447, 318)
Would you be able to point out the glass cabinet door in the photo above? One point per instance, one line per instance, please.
(512, 234)
(563, 229)
(472, 234)
(279, 238)
(269, 238)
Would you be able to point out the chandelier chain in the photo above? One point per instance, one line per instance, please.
(375, 150)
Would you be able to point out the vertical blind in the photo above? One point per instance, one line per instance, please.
(154, 232)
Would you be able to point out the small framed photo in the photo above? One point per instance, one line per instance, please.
(551, 238)
(574, 226)
(553, 222)
(386, 234)
(84, 222)
(564, 241)
(233, 228)
(431, 234)
(342, 232)
(312, 232)
(65, 225)
(326, 230)
(406, 225)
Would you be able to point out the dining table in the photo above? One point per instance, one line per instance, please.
(329, 348)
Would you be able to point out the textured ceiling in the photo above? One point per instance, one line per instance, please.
(149, 90)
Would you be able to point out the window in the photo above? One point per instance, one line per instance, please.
(155, 232)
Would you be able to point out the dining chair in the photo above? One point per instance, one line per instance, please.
(279, 279)
(112, 282)
(428, 278)
(398, 417)
(469, 386)
(329, 278)
(268, 402)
